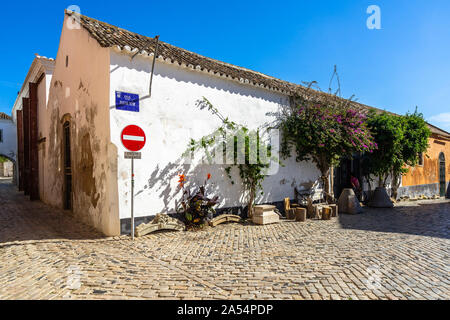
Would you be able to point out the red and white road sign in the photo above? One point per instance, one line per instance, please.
(133, 138)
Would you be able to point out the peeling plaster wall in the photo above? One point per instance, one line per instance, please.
(429, 172)
(170, 119)
(80, 93)
(424, 180)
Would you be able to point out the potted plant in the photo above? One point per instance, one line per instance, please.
(195, 207)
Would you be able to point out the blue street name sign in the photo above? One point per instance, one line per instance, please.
(127, 101)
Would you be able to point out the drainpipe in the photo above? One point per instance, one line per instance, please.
(155, 54)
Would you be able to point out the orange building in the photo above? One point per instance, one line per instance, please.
(432, 175)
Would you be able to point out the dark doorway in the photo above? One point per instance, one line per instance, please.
(343, 172)
(342, 177)
(67, 168)
(442, 179)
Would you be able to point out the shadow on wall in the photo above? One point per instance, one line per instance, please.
(231, 196)
(215, 82)
(187, 75)
(431, 220)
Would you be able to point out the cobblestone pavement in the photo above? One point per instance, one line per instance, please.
(401, 253)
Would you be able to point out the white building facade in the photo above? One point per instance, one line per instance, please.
(7, 137)
(81, 158)
(7, 146)
(170, 117)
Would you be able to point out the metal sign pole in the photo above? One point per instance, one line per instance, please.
(133, 139)
(132, 198)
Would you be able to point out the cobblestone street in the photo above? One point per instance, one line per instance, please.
(400, 253)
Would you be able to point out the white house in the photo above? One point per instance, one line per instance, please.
(7, 137)
(7, 145)
(81, 165)
(80, 117)
(39, 76)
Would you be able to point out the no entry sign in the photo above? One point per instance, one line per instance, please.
(133, 138)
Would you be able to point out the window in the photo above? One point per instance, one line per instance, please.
(420, 155)
(1, 135)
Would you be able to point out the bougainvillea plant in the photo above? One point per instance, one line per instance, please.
(325, 132)
(195, 207)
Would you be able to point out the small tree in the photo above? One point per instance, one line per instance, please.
(324, 132)
(416, 137)
(400, 139)
(248, 152)
(388, 132)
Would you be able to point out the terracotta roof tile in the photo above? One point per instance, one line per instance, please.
(4, 116)
(111, 36)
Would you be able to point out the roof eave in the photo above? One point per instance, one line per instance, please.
(39, 63)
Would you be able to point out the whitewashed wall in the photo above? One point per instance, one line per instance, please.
(170, 119)
(9, 143)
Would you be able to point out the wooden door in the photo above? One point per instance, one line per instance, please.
(442, 180)
(67, 167)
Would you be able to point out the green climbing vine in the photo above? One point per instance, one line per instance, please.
(250, 152)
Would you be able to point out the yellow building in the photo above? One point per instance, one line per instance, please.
(432, 175)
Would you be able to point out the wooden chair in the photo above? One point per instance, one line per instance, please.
(289, 209)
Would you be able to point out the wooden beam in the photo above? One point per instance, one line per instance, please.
(26, 144)
(20, 156)
(34, 156)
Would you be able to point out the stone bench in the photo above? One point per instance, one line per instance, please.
(265, 214)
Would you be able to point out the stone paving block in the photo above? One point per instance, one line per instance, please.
(405, 249)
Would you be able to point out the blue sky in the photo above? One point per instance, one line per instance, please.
(403, 65)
